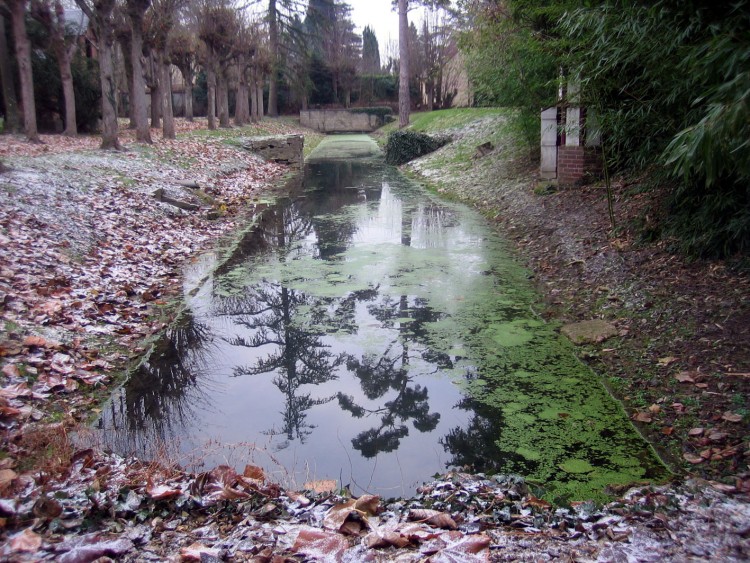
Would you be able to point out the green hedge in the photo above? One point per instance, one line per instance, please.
(403, 146)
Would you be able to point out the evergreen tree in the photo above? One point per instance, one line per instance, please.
(370, 52)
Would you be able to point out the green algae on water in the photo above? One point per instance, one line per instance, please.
(540, 412)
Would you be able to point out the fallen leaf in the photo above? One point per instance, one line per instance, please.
(696, 432)
(369, 504)
(654, 409)
(9, 348)
(16, 390)
(352, 528)
(324, 486)
(39, 342)
(254, 472)
(724, 488)
(537, 502)
(386, 538)
(642, 417)
(11, 370)
(27, 541)
(7, 476)
(466, 549)
(196, 551)
(433, 518)
(320, 545)
(717, 436)
(46, 508)
(666, 360)
(160, 492)
(729, 416)
(684, 377)
(338, 514)
(299, 498)
(667, 430)
(694, 459)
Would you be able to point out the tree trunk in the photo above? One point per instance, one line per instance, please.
(188, 77)
(156, 97)
(23, 56)
(189, 101)
(261, 113)
(211, 86)
(273, 38)
(109, 88)
(253, 97)
(12, 119)
(241, 110)
(126, 48)
(222, 95)
(242, 113)
(138, 102)
(101, 17)
(66, 76)
(166, 89)
(404, 103)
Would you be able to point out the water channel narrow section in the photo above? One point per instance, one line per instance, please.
(366, 332)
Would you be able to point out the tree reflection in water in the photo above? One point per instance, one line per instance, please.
(379, 375)
(313, 349)
(164, 392)
(299, 356)
(471, 447)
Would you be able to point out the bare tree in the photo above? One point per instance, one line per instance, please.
(100, 14)
(160, 22)
(245, 48)
(52, 18)
(136, 11)
(218, 28)
(123, 35)
(273, 38)
(23, 57)
(260, 67)
(12, 119)
(183, 53)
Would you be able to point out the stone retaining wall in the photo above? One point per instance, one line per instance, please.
(282, 149)
(339, 121)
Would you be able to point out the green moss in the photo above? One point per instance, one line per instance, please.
(576, 466)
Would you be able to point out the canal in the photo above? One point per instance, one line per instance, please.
(367, 332)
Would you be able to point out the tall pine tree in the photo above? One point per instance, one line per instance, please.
(370, 52)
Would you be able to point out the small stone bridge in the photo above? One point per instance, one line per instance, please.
(339, 121)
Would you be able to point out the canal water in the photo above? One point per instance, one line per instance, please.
(366, 332)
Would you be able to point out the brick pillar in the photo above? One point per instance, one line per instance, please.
(576, 162)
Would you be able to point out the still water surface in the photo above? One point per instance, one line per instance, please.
(366, 332)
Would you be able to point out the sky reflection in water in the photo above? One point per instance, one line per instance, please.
(335, 344)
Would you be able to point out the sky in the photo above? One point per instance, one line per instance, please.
(379, 15)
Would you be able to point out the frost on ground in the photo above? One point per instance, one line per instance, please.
(87, 257)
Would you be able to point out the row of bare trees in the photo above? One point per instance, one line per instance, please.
(230, 45)
(238, 49)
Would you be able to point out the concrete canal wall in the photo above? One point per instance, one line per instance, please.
(339, 121)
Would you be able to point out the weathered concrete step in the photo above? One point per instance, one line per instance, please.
(282, 149)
